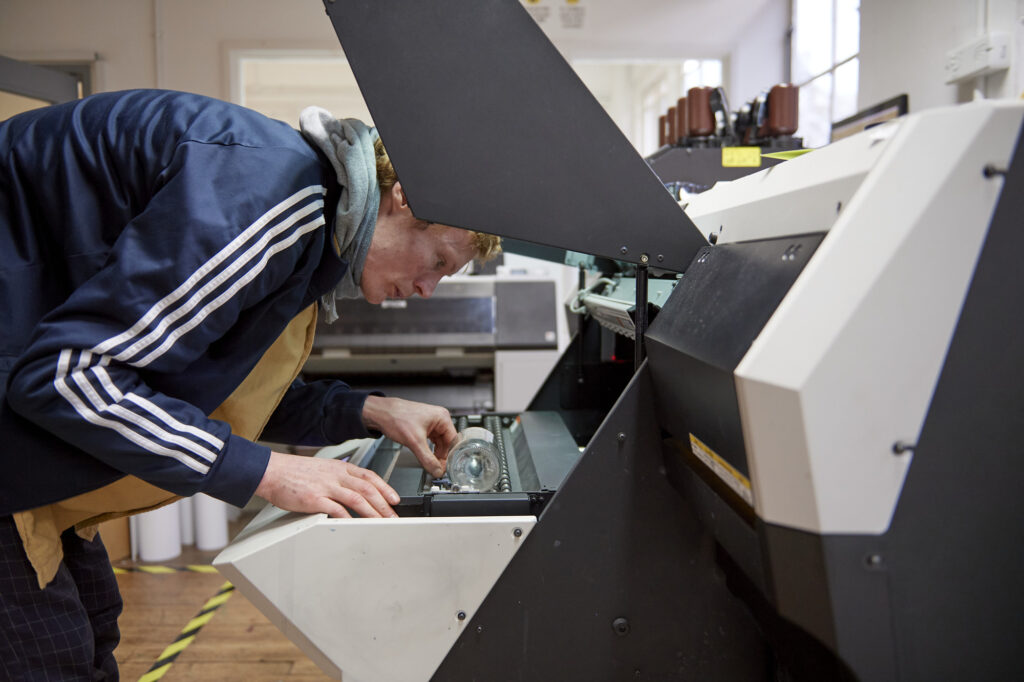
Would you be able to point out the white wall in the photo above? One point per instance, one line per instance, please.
(904, 45)
(757, 61)
(611, 85)
(184, 44)
(177, 44)
(119, 32)
(187, 44)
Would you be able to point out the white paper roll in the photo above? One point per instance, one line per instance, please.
(159, 534)
(188, 529)
(133, 535)
(211, 517)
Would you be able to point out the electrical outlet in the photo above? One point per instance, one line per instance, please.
(980, 57)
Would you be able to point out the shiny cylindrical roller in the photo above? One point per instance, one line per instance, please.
(473, 463)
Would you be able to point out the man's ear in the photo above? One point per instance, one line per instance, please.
(398, 196)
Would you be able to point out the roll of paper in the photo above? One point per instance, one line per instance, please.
(159, 534)
(211, 519)
(188, 530)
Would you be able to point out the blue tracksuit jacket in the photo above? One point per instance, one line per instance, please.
(152, 246)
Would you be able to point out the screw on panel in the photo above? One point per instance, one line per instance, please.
(621, 626)
(621, 437)
(900, 447)
(644, 258)
(661, 257)
(623, 250)
(991, 170)
(479, 629)
(518, 532)
(874, 561)
(461, 615)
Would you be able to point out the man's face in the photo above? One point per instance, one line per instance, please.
(409, 257)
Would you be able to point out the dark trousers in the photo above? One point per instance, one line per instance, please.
(67, 631)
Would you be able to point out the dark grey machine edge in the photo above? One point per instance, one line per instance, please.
(490, 129)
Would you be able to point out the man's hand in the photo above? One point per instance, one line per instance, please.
(311, 485)
(413, 424)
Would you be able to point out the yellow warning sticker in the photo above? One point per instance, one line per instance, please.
(725, 471)
(741, 157)
(786, 155)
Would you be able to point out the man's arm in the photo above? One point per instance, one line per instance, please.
(318, 413)
(210, 243)
(327, 412)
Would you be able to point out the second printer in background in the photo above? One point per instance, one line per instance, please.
(479, 343)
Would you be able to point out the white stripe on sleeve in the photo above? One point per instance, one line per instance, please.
(78, 375)
(60, 383)
(212, 306)
(207, 268)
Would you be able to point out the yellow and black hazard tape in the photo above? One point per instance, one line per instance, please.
(156, 569)
(188, 634)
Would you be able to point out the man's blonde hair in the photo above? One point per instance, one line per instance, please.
(486, 246)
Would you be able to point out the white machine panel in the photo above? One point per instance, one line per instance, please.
(848, 363)
(372, 599)
(801, 196)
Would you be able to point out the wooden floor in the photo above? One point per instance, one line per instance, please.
(238, 644)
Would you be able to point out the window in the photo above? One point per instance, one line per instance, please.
(667, 84)
(825, 49)
(701, 72)
(635, 93)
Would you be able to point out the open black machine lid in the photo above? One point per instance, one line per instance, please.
(490, 129)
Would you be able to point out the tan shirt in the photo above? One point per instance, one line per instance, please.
(247, 410)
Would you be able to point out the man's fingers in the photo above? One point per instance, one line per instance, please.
(335, 510)
(387, 491)
(375, 497)
(427, 459)
(357, 503)
(444, 441)
(364, 498)
(360, 490)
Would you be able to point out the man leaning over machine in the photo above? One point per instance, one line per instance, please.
(163, 259)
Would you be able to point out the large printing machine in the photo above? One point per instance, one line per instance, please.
(479, 343)
(803, 466)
